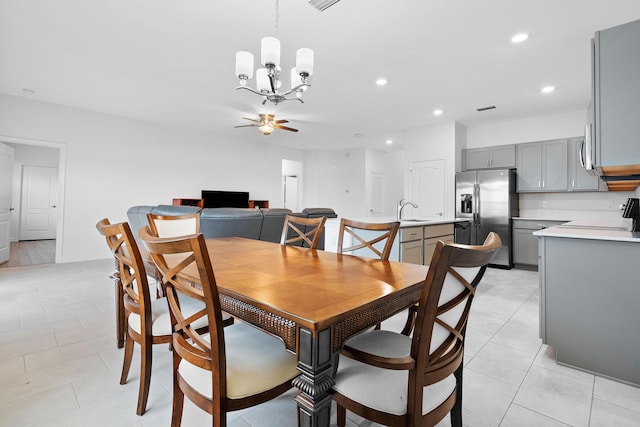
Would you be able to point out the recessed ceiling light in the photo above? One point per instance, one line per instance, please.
(381, 81)
(437, 112)
(548, 89)
(389, 142)
(519, 38)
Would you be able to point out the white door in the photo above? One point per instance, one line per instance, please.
(38, 211)
(375, 193)
(291, 192)
(6, 175)
(426, 181)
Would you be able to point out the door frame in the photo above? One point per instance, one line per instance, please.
(62, 163)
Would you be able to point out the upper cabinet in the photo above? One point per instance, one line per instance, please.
(613, 140)
(498, 157)
(542, 166)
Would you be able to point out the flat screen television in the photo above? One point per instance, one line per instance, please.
(225, 199)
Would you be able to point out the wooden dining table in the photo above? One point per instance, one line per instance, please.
(313, 300)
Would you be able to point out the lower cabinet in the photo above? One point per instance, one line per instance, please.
(418, 243)
(525, 244)
(411, 244)
(432, 234)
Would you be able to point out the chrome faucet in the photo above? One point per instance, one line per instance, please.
(401, 205)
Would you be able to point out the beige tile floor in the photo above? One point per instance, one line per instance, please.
(60, 365)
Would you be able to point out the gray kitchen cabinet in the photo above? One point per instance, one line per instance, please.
(525, 244)
(411, 245)
(497, 157)
(589, 297)
(616, 90)
(579, 178)
(542, 166)
(433, 233)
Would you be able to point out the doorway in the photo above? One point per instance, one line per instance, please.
(35, 222)
(291, 184)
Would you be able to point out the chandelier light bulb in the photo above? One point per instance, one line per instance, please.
(304, 61)
(262, 80)
(244, 65)
(270, 51)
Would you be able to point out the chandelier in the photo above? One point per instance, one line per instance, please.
(268, 79)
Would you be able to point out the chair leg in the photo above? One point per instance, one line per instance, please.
(121, 326)
(341, 415)
(145, 376)
(456, 411)
(178, 399)
(128, 354)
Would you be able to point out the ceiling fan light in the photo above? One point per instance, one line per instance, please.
(244, 65)
(304, 61)
(270, 54)
(266, 129)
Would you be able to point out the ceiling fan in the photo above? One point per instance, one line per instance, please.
(267, 124)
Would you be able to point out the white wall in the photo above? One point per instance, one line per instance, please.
(553, 126)
(435, 143)
(114, 163)
(336, 179)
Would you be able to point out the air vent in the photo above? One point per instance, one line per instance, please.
(489, 107)
(322, 4)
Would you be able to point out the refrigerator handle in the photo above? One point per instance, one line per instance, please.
(476, 202)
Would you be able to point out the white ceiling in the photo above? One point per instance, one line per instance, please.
(172, 61)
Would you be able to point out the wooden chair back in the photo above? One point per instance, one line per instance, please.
(173, 255)
(437, 345)
(136, 295)
(368, 236)
(443, 311)
(299, 231)
(174, 225)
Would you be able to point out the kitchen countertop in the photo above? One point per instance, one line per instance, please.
(613, 230)
(410, 222)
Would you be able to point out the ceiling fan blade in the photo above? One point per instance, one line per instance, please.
(251, 120)
(281, 121)
(244, 126)
(286, 128)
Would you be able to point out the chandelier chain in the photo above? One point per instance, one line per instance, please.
(277, 19)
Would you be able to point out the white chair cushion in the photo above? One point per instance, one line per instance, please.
(256, 362)
(161, 320)
(393, 344)
(385, 389)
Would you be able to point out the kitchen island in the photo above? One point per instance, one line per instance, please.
(416, 239)
(590, 296)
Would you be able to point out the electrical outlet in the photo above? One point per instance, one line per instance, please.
(545, 204)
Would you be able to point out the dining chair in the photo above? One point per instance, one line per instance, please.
(421, 375)
(174, 225)
(147, 320)
(367, 238)
(229, 368)
(298, 231)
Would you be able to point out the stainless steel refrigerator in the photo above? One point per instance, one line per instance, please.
(489, 200)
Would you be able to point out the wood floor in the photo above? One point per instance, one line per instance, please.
(31, 252)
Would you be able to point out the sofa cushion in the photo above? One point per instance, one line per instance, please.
(137, 217)
(318, 212)
(170, 210)
(230, 222)
(272, 223)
